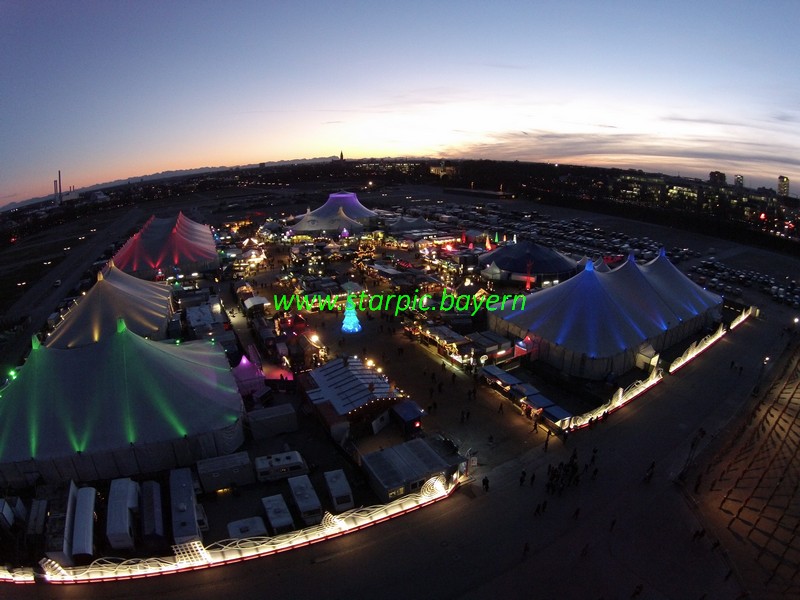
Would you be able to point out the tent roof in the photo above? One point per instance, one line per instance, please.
(348, 385)
(409, 223)
(248, 376)
(254, 301)
(603, 314)
(682, 295)
(105, 396)
(144, 305)
(335, 222)
(515, 258)
(167, 243)
(346, 201)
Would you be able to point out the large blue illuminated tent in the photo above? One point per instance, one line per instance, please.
(594, 324)
(116, 408)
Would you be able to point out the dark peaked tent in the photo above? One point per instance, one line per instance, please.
(510, 261)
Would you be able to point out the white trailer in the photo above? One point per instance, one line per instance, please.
(123, 501)
(37, 517)
(6, 515)
(305, 499)
(83, 527)
(221, 472)
(339, 490)
(280, 466)
(278, 516)
(184, 507)
(152, 513)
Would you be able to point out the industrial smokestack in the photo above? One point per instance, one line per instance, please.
(55, 190)
(59, 186)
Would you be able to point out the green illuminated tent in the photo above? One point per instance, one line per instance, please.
(122, 406)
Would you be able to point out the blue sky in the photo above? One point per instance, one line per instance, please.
(108, 90)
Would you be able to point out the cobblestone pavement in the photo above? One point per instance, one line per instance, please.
(752, 499)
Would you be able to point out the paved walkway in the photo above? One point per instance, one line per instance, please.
(748, 488)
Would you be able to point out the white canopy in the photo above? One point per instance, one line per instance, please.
(120, 407)
(594, 323)
(145, 306)
(168, 244)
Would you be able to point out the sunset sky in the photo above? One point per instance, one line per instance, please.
(109, 90)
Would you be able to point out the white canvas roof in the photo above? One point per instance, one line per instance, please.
(167, 244)
(348, 203)
(338, 222)
(603, 314)
(145, 306)
(348, 385)
(107, 396)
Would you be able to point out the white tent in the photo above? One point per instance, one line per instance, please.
(409, 224)
(255, 301)
(145, 306)
(338, 222)
(594, 324)
(345, 202)
(249, 378)
(167, 245)
(121, 407)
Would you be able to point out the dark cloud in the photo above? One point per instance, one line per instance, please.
(597, 148)
(783, 117)
(700, 120)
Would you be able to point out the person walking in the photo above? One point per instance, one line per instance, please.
(522, 477)
(485, 484)
(533, 478)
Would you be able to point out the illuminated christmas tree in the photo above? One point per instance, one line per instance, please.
(350, 323)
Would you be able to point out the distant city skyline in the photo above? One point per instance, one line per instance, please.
(116, 90)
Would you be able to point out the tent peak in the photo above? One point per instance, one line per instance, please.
(121, 325)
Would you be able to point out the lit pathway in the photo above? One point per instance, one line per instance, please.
(754, 491)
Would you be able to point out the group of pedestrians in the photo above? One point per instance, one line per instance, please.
(569, 473)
